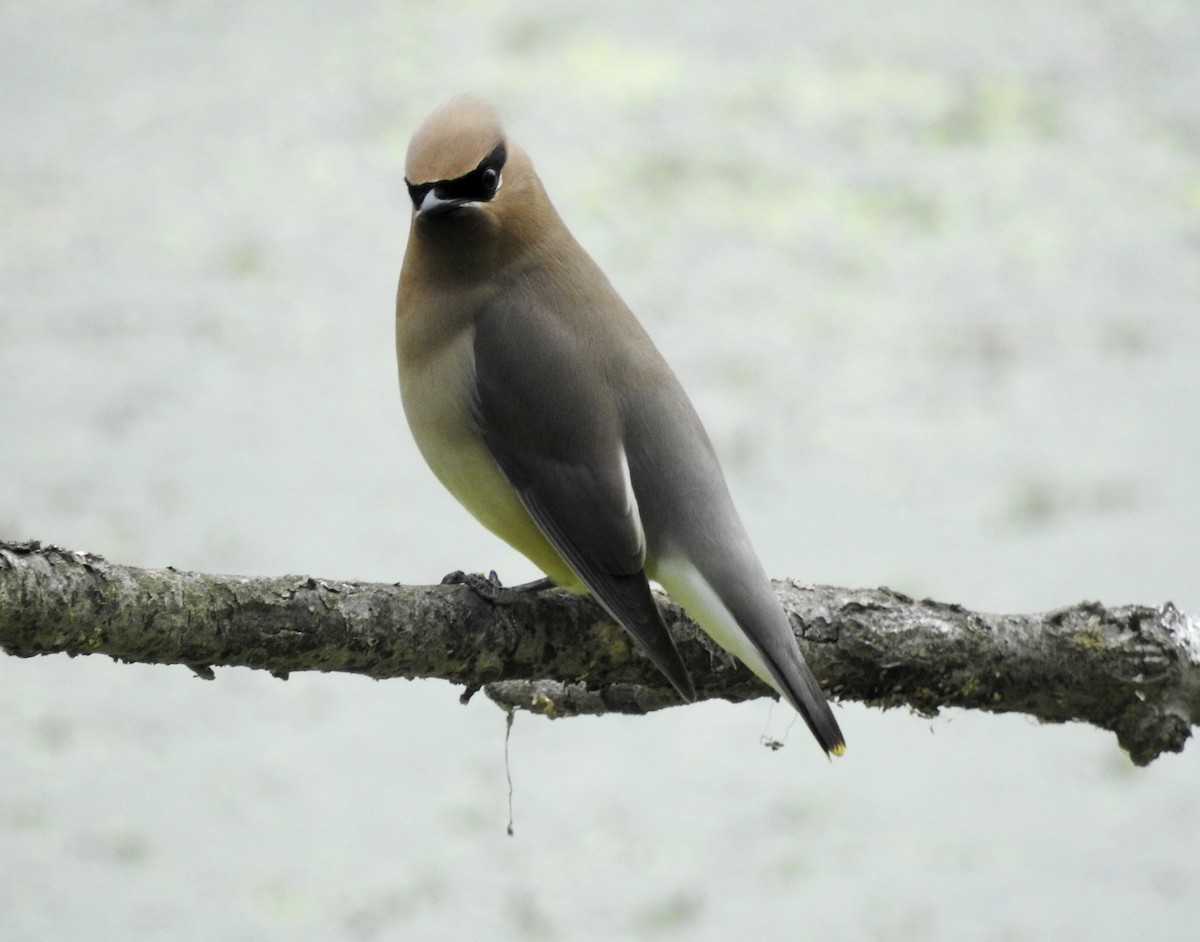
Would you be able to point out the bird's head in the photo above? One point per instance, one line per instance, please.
(458, 162)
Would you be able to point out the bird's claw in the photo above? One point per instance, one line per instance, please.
(490, 589)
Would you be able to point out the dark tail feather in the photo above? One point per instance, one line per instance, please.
(804, 693)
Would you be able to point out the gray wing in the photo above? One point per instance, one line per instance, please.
(548, 415)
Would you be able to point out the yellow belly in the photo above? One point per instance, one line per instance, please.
(436, 394)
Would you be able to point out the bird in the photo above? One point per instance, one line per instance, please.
(540, 402)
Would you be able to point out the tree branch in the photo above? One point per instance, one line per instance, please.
(1134, 670)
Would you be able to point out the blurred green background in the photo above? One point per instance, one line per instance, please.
(931, 272)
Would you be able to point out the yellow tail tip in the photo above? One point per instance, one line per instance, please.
(838, 750)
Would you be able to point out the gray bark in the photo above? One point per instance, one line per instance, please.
(1133, 670)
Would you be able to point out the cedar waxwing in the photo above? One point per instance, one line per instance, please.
(541, 404)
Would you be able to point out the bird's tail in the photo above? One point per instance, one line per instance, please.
(748, 621)
(800, 688)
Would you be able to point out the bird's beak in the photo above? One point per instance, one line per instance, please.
(434, 203)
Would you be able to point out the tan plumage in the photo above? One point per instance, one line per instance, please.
(541, 404)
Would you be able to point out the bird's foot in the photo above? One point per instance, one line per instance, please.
(490, 589)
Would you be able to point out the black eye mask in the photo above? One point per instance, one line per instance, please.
(478, 186)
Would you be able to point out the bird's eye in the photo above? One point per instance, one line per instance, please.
(491, 179)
